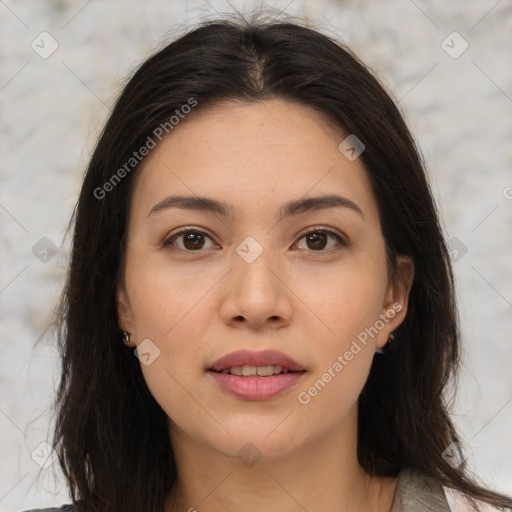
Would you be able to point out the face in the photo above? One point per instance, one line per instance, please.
(273, 268)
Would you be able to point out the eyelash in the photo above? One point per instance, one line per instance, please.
(173, 236)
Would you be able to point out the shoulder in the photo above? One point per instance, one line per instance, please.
(63, 508)
(417, 492)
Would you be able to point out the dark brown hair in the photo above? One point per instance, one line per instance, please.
(111, 435)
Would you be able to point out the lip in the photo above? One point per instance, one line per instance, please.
(261, 358)
(256, 387)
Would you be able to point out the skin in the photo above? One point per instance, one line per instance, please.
(309, 303)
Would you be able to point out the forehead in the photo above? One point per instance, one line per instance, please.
(251, 155)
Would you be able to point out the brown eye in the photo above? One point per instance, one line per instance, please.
(319, 239)
(191, 240)
(316, 241)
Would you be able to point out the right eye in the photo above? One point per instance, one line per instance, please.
(191, 240)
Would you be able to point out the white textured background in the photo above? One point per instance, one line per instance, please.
(51, 111)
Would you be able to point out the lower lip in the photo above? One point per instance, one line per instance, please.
(255, 387)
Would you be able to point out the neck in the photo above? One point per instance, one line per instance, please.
(323, 475)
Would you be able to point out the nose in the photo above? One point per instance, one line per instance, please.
(256, 295)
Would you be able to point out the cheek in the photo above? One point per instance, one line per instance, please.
(344, 354)
(166, 296)
(349, 307)
(351, 299)
(168, 304)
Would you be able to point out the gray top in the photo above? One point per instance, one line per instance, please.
(415, 492)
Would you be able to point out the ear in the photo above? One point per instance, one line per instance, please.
(124, 311)
(397, 298)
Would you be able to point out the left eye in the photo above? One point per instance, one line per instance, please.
(317, 240)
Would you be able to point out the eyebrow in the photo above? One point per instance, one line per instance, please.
(295, 207)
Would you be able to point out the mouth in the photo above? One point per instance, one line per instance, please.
(260, 371)
(256, 375)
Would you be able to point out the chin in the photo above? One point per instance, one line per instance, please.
(258, 444)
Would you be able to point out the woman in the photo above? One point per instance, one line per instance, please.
(259, 312)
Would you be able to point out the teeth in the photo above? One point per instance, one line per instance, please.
(262, 371)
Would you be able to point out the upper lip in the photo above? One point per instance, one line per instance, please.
(250, 358)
